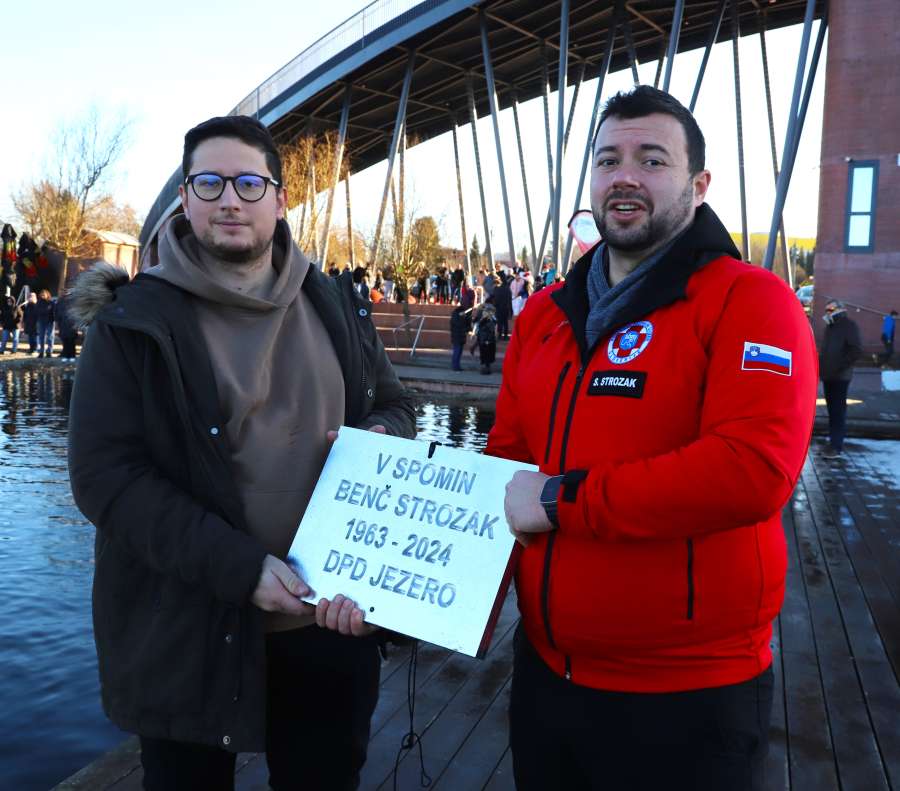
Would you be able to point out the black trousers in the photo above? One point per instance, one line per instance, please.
(836, 402)
(322, 690)
(68, 349)
(569, 737)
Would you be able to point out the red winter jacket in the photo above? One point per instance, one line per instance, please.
(681, 434)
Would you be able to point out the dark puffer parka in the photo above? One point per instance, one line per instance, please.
(180, 647)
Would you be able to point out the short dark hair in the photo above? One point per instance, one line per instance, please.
(239, 127)
(646, 100)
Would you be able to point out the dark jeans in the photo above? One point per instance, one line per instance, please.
(322, 690)
(885, 357)
(569, 737)
(836, 401)
(45, 338)
(502, 326)
(457, 356)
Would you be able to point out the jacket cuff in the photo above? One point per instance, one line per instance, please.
(570, 503)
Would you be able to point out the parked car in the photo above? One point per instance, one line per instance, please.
(805, 295)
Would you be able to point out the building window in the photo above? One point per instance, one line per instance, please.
(862, 183)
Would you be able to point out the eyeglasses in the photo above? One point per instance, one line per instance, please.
(249, 187)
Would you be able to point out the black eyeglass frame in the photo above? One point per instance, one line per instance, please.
(233, 179)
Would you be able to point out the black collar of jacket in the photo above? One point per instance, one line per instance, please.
(704, 240)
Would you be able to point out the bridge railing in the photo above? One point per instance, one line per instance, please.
(352, 31)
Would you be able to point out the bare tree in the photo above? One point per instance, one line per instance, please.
(307, 167)
(107, 215)
(412, 248)
(58, 207)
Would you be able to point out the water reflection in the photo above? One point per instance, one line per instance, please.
(457, 424)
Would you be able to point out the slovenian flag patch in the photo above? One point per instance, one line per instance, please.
(760, 357)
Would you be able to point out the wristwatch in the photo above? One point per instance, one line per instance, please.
(549, 495)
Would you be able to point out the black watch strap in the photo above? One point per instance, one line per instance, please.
(549, 498)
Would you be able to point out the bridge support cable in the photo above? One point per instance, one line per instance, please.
(674, 35)
(394, 209)
(659, 63)
(459, 190)
(710, 41)
(565, 148)
(795, 123)
(398, 207)
(632, 55)
(338, 162)
(735, 35)
(765, 66)
(313, 214)
(400, 202)
(560, 114)
(307, 205)
(492, 102)
(473, 118)
(399, 128)
(545, 98)
(349, 223)
(618, 13)
(535, 266)
(302, 226)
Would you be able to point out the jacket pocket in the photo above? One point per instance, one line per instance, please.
(151, 633)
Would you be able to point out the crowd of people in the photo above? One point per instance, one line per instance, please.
(446, 286)
(485, 301)
(41, 318)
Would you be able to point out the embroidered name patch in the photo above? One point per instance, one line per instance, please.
(617, 383)
(760, 357)
(628, 342)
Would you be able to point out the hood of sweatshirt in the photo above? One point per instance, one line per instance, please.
(182, 262)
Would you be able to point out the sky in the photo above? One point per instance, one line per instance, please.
(168, 71)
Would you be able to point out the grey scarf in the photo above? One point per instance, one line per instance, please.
(606, 302)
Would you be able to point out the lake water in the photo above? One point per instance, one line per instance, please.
(52, 723)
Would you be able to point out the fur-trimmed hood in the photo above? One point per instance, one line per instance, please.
(93, 290)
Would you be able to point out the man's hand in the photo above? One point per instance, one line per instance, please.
(279, 589)
(377, 428)
(342, 615)
(522, 506)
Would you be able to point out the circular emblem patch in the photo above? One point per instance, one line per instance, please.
(628, 342)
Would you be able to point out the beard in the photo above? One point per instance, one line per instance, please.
(234, 255)
(656, 230)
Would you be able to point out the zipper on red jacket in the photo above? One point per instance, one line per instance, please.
(551, 540)
(569, 414)
(690, 579)
(559, 384)
(545, 588)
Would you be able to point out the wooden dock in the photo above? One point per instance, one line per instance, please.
(836, 717)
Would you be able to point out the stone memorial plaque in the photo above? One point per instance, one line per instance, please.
(415, 533)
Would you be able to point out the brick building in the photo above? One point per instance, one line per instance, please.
(858, 245)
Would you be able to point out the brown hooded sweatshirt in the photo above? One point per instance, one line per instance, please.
(278, 379)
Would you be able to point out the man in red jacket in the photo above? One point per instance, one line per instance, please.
(677, 386)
